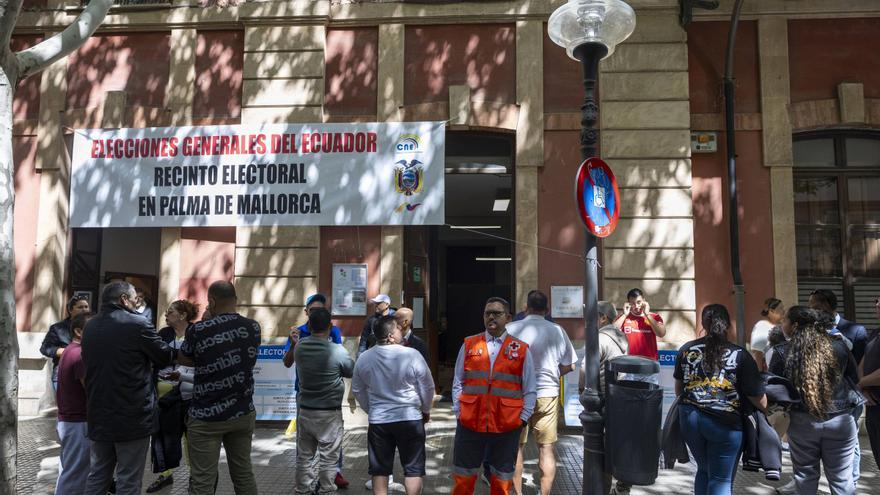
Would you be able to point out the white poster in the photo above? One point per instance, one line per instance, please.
(349, 289)
(571, 399)
(271, 174)
(274, 395)
(567, 301)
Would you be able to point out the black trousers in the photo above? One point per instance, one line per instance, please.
(872, 424)
(498, 449)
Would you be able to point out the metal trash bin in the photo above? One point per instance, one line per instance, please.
(633, 410)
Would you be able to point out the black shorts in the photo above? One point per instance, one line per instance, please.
(407, 437)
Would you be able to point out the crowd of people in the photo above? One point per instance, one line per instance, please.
(181, 393)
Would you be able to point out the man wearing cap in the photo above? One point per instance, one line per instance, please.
(381, 307)
(493, 396)
(313, 302)
(554, 356)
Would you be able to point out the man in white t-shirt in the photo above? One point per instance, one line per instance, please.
(393, 385)
(553, 356)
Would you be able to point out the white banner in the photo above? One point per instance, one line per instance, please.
(272, 174)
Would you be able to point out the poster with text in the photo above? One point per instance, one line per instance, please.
(260, 175)
(567, 301)
(274, 395)
(571, 398)
(349, 289)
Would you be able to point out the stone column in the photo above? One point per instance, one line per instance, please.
(777, 150)
(645, 122)
(529, 153)
(50, 263)
(179, 100)
(277, 267)
(389, 99)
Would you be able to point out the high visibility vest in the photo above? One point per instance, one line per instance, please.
(491, 399)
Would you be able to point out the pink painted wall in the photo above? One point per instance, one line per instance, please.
(826, 52)
(706, 47)
(351, 61)
(26, 104)
(481, 56)
(27, 201)
(136, 63)
(350, 245)
(219, 65)
(207, 254)
(559, 226)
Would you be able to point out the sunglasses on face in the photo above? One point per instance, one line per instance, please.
(494, 314)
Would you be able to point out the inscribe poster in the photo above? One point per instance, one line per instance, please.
(349, 289)
(270, 174)
(274, 395)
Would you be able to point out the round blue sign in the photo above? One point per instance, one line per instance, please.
(598, 197)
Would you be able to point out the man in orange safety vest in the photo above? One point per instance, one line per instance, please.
(493, 396)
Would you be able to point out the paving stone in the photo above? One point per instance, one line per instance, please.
(274, 464)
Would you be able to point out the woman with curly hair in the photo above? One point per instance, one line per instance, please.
(822, 428)
(717, 382)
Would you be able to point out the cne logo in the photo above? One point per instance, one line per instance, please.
(408, 143)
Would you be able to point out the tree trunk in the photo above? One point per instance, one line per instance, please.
(14, 67)
(8, 336)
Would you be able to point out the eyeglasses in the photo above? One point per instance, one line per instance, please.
(494, 314)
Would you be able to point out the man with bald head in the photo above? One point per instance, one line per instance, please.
(223, 351)
(404, 318)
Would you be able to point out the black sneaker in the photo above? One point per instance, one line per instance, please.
(161, 482)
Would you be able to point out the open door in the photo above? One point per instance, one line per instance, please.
(416, 287)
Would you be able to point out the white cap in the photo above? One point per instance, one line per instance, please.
(381, 298)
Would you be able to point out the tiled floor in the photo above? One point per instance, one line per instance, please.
(273, 460)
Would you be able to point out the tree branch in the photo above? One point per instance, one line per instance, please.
(44, 54)
(9, 10)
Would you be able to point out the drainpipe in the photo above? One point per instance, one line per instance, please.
(733, 210)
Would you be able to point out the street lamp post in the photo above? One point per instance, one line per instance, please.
(589, 30)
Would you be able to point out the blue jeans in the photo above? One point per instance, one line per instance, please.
(716, 448)
(73, 470)
(857, 458)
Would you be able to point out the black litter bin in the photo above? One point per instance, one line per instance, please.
(633, 407)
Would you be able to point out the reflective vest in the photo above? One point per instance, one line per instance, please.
(491, 399)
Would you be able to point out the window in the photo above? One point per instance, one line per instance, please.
(837, 218)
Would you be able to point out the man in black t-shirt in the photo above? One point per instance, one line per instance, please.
(223, 351)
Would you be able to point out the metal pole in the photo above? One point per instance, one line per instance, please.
(733, 210)
(594, 430)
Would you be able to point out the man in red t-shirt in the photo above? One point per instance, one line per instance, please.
(71, 397)
(640, 325)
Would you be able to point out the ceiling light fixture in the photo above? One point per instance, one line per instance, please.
(501, 205)
(492, 259)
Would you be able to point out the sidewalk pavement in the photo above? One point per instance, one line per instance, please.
(273, 460)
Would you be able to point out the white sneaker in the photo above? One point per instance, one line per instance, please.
(786, 489)
(369, 484)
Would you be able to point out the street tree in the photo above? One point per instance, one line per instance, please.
(14, 67)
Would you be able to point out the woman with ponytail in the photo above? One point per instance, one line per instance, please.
(715, 381)
(821, 368)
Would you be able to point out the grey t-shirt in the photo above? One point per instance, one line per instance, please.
(320, 366)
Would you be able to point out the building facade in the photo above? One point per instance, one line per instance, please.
(807, 133)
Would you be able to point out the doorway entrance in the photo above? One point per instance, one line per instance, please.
(454, 268)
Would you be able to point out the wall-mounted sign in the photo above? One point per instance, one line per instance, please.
(598, 197)
(566, 301)
(274, 395)
(272, 174)
(349, 289)
(704, 142)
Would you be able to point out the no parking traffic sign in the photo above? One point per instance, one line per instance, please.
(598, 197)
